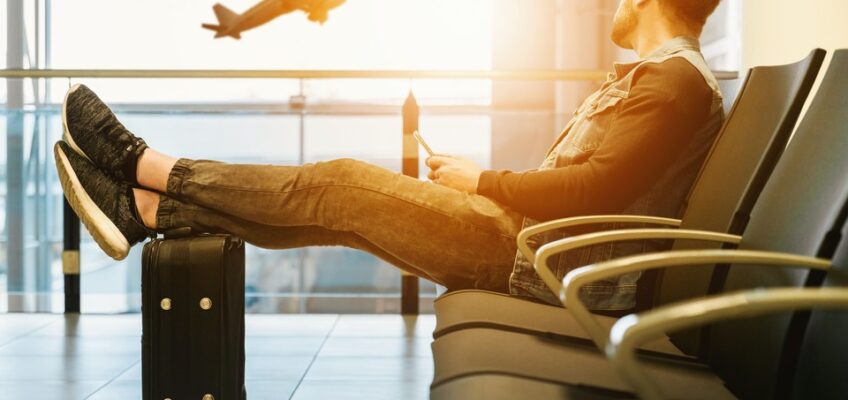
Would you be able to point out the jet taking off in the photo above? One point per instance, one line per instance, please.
(232, 24)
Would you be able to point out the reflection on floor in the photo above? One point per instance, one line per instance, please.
(288, 356)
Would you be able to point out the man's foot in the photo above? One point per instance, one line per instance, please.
(93, 131)
(105, 206)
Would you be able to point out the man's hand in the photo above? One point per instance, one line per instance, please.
(454, 172)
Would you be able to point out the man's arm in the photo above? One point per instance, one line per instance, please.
(454, 172)
(667, 104)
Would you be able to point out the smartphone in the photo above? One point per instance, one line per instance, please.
(423, 143)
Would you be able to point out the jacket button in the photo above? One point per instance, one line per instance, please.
(165, 304)
(208, 397)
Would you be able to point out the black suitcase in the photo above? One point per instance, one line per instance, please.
(193, 318)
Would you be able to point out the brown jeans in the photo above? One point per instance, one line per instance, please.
(455, 239)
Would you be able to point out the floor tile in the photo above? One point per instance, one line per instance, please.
(48, 390)
(132, 374)
(276, 368)
(305, 356)
(385, 326)
(46, 368)
(4, 339)
(290, 325)
(278, 388)
(93, 326)
(15, 325)
(270, 390)
(365, 390)
(273, 346)
(376, 347)
(257, 368)
(124, 390)
(256, 390)
(70, 346)
(371, 368)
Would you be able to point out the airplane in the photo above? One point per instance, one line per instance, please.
(232, 24)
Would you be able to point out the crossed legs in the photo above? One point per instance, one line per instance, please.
(441, 234)
(123, 190)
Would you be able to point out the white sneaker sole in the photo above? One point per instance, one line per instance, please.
(101, 228)
(66, 134)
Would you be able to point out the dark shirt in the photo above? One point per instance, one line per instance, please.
(668, 102)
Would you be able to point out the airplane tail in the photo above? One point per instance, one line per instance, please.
(225, 16)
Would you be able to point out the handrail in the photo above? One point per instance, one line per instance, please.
(304, 74)
(543, 75)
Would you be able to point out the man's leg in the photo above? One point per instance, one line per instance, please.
(174, 214)
(453, 238)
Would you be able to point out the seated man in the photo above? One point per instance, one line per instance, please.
(635, 146)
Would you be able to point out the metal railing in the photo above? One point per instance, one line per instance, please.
(518, 75)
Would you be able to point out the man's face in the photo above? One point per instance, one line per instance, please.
(624, 24)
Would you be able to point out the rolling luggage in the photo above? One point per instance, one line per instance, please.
(193, 317)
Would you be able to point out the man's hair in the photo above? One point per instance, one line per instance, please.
(693, 12)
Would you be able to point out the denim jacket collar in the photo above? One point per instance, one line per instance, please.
(670, 47)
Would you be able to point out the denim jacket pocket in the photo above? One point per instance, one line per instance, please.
(590, 128)
(606, 103)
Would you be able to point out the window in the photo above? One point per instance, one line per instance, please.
(245, 120)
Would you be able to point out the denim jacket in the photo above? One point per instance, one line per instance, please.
(665, 198)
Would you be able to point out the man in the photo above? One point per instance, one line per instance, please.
(633, 147)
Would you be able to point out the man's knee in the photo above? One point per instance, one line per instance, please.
(344, 164)
(348, 170)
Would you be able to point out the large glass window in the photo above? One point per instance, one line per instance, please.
(246, 121)
(279, 121)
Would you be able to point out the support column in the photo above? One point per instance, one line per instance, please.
(523, 38)
(409, 297)
(543, 34)
(583, 42)
(15, 157)
(71, 258)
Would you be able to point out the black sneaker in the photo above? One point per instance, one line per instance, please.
(92, 130)
(105, 206)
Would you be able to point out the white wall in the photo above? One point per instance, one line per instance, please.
(784, 31)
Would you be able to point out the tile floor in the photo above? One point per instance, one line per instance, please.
(55, 357)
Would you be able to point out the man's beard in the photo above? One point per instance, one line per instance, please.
(624, 24)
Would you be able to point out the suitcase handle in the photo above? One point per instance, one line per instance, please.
(178, 233)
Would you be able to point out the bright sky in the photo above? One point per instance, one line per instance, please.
(362, 34)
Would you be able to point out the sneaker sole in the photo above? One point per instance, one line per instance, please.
(101, 228)
(66, 135)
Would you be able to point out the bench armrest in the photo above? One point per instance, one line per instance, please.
(590, 239)
(526, 234)
(632, 331)
(582, 276)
